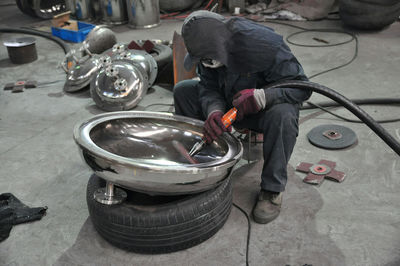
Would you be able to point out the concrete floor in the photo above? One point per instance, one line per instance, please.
(356, 222)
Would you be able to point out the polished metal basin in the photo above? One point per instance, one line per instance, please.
(138, 151)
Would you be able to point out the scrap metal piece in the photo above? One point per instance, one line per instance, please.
(20, 85)
(332, 137)
(316, 173)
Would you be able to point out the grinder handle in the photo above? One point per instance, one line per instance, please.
(229, 117)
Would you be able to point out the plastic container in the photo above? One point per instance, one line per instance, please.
(73, 35)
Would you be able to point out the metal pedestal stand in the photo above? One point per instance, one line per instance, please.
(110, 195)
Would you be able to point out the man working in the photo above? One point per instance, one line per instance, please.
(235, 59)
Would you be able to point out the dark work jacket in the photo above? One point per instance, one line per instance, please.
(265, 59)
(218, 86)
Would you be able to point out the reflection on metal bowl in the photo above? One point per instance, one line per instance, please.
(136, 150)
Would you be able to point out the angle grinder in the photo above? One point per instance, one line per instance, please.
(227, 119)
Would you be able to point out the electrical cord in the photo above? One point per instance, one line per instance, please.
(372, 101)
(352, 120)
(248, 231)
(355, 54)
(304, 30)
(61, 43)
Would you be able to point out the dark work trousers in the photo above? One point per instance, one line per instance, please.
(278, 123)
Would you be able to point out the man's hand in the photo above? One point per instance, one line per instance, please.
(248, 101)
(213, 127)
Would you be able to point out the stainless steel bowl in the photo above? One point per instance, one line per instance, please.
(136, 150)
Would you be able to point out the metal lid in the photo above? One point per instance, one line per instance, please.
(118, 86)
(81, 73)
(141, 59)
(19, 42)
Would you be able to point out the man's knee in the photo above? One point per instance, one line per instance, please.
(183, 87)
(283, 115)
(283, 111)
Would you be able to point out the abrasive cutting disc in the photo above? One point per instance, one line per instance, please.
(332, 137)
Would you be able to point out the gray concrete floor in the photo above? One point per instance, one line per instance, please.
(356, 222)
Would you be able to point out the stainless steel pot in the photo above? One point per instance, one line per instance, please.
(136, 150)
(113, 12)
(143, 13)
(80, 9)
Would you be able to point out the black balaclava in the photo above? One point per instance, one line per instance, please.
(202, 42)
(243, 46)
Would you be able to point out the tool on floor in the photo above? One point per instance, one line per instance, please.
(318, 172)
(228, 118)
(20, 85)
(21, 50)
(332, 137)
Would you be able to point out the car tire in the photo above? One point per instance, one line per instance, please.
(25, 6)
(160, 224)
(177, 5)
(366, 15)
(380, 2)
(39, 7)
(162, 54)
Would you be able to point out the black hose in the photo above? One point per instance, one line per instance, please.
(61, 43)
(372, 101)
(352, 120)
(357, 111)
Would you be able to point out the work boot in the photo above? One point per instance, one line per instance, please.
(267, 207)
